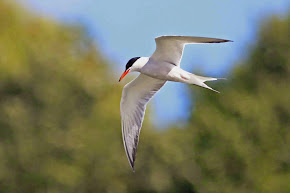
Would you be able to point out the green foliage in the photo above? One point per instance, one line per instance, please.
(60, 126)
(56, 108)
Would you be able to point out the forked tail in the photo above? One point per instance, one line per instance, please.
(199, 81)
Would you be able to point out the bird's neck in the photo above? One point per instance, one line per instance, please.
(140, 63)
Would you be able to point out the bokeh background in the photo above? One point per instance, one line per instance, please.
(59, 98)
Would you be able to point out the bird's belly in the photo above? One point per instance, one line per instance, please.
(163, 72)
(157, 75)
(155, 71)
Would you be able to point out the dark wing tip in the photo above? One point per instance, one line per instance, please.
(131, 160)
(134, 152)
(132, 164)
(220, 41)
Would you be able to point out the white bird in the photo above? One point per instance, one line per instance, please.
(162, 66)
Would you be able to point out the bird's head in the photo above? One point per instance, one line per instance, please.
(134, 64)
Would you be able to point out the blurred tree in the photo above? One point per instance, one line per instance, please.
(59, 118)
(60, 126)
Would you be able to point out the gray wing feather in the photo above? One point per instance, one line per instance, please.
(170, 48)
(135, 97)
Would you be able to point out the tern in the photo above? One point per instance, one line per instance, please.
(155, 71)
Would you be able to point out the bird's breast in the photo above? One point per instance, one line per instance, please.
(157, 70)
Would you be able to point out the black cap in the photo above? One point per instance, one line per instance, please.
(131, 62)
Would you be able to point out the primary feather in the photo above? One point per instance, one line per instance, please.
(135, 97)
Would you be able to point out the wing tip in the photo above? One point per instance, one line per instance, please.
(131, 162)
(220, 41)
(217, 41)
(229, 41)
(133, 169)
(221, 78)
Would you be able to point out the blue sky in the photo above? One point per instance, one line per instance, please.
(125, 29)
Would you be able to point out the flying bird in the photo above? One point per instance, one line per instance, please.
(155, 71)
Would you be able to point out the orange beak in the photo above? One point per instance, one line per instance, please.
(124, 74)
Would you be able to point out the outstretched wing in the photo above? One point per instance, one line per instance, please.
(135, 96)
(170, 48)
